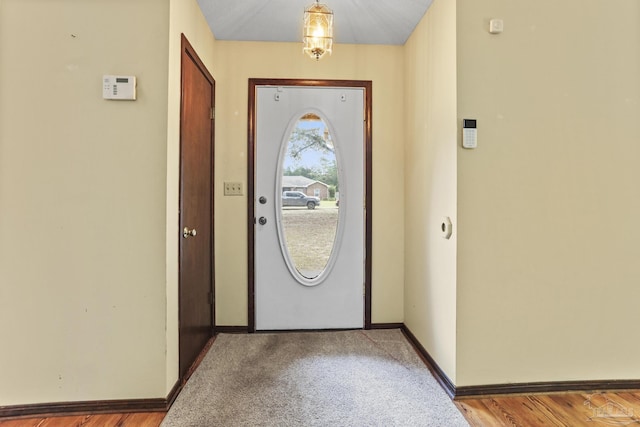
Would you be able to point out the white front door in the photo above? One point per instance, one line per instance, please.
(309, 253)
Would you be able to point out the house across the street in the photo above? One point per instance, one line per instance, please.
(308, 186)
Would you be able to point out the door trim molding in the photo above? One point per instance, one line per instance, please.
(251, 159)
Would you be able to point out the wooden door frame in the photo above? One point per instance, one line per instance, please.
(251, 159)
(187, 52)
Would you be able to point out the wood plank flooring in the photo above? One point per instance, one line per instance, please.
(557, 409)
(146, 419)
(531, 410)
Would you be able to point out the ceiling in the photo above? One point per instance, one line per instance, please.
(355, 21)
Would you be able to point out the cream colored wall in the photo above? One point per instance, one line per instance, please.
(236, 62)
(430, 183)
(545, 228)
(548, 268)
(185, 18)
(82, 201)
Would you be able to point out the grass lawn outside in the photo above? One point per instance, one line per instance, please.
(309, 236)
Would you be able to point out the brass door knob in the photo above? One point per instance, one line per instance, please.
(186, 232)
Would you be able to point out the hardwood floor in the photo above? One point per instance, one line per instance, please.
(531, 410)
(558, 409)
(145, 419)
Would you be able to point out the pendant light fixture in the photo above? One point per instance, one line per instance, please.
(317, 34)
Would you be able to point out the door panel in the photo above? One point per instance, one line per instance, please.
(333, 298)
(196, 209)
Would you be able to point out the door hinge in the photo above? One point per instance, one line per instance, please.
(210, 297)
(212, 113)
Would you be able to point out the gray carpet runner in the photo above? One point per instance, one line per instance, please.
(346, 378)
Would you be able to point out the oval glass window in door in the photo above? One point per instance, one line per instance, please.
(309, 215)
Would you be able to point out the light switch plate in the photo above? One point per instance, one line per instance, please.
(233, 189)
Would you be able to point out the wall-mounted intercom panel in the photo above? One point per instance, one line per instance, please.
(119, 87)
(469, 133)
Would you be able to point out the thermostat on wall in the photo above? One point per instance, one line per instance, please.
(119, 87)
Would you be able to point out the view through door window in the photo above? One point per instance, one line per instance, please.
(310, 193)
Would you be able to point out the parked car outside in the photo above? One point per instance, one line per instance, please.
(298, 198)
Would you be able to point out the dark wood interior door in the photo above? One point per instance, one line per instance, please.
(196, 305)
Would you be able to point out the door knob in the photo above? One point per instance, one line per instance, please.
(262, 220)
(186, 232)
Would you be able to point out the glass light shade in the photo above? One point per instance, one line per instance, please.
(317, 34)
